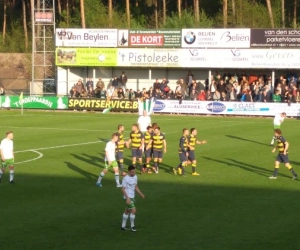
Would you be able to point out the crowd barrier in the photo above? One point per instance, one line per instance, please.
(159, 107)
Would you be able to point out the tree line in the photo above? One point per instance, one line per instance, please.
(15, 16)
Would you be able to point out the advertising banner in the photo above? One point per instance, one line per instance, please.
(215, 38)
(101, 104)
(275, 58)
(34, 102)
(150, 38)
(86, 38)
(86, 57)
(225, 108)
(276, 38)
(175, 58)
(149, 57)
(204, 58)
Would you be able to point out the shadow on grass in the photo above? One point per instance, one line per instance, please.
(81, 171)
(244, 139)
(68, 213)
(92, 160)
(248, 167)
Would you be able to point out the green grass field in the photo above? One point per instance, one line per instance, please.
(231, 205)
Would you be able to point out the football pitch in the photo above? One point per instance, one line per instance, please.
(55, 203)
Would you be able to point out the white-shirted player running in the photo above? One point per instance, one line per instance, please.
(110, 161)
(129, 186)
(7, 155)
(278, 119)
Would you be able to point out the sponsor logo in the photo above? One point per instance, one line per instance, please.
(236, 37)
(190, 37)
(236, 55)
(96, 104)
(158, 106)
(215, 107)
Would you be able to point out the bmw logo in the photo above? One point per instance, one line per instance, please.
(190, 37)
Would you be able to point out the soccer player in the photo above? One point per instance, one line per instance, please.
(110, 161)
(191, 150)
(147, 151)
(278, 119)
(159, 145)
(144, 121)
(183, 152)
(7, 156)
(129, 186)
(282, 157)
(137, 144)
(120, 148)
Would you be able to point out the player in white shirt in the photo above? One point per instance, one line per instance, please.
(7, 155)
(110, 161)
(144, 121)
(129, 186)
(278, 119)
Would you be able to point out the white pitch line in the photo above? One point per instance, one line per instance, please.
(34, 159)
(63, 129)
(60, 146)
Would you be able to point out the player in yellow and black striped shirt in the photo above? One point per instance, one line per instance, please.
(137, 143)
(182, 152)
(120, 148)
(191, 150)
(159, 146)
(282, 157)
(147, 151)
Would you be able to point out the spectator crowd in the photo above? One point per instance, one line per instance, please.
(225, 87)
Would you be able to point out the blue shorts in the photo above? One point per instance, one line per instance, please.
(191, 155)
(282, 158)
(157, 154)
(148, 152)
(136, 153)
(119, 155)
(182, 157)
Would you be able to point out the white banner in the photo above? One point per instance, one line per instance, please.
(149, 57)
(218, 58)
(225, 108)
(86, 37)
(215, 38)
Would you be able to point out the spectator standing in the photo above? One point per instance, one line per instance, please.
(189, 78)
(89, 83)
(115, 82)
(123, 79)
(156, 85)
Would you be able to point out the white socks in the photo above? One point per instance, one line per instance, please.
(11, 175)
(132, 217)
(117, 178)
(125, 217)
(100, 177)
